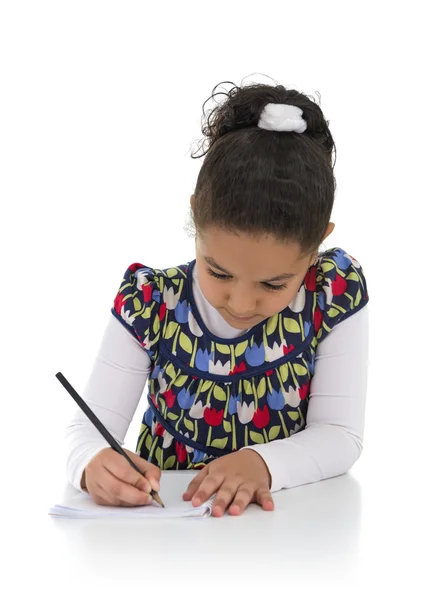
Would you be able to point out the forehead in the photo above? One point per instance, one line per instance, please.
(253, 256)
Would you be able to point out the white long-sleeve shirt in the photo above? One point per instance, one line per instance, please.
(328, 446)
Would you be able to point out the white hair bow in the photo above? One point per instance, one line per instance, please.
(282, 117)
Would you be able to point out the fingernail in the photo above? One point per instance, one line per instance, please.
(154, 484)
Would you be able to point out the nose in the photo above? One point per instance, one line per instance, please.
(242, 303)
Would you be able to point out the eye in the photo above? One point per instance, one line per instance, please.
(275, 287)
(217, 275)
(268, 286)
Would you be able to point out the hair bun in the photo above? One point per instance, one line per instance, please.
(245, 107)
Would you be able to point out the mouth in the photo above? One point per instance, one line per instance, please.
(243, 319)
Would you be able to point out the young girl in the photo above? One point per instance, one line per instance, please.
(256, 352)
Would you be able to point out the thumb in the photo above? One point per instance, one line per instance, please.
(149, 471)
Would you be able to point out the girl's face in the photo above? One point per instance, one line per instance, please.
(248, 279)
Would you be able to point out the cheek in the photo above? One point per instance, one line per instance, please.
(275, 302)
(214, 291)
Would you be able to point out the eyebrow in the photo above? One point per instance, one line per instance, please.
(212, 262)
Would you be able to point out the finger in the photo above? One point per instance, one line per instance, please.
(207, 488)
(224, 496)
(103, 499)
(119, 491)
(149, 471)
(194, 485)
(263, 497)
(243, 497)
(120, 468)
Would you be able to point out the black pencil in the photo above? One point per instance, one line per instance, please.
(102, 430)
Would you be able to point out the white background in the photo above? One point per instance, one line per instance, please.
(100, 107)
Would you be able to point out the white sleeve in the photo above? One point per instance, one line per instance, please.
(113, 391)
(332, 440)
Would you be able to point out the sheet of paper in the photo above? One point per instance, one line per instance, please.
(80, 505)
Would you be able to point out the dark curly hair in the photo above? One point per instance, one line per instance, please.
(258, 181)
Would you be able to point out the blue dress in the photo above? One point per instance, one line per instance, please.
(209, 396)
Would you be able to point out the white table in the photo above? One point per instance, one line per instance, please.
(329, 539)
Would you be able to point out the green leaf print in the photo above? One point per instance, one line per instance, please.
(284, 372)
(171, 272)
(147, 313)
(247, 387)
(159, 456)
(358, 297)
(137, 304)
(188, 424)
(148, 441)
(291, 325)
(181, 380)
(256, 437)
(185, 342)
(170, 371)
(333, 312)
(219, 393)
(169, 463)
(271, 324)
(171, 330)
(300, 369)
(227, 426)
(219, 443)
(240, 348)
(293, 414)
(352, 276)
(206, 386)
(142, 434)
(274, 431)
(223, 348)
(261, 390)
(172, 416)
(327, 266)
(156, 325)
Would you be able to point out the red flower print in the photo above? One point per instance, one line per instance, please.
(304, 390)
(213, 417)
(153, 400)
(159, 429)
(119, 303)
(147, 289)
(286, 349)
(238, 368)
(162, 311)
(261, 417)
(135, 266)
(269, 373)
(180, 452)
(317, 319)
(310, 279)
(339, 286)
(170, 398)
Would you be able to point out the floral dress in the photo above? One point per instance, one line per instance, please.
(209, 396)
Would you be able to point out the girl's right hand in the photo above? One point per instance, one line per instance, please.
(111, 480)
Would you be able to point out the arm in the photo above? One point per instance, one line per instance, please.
(113, 391)
(332, 440)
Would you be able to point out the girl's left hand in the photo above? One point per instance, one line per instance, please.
(238, 479)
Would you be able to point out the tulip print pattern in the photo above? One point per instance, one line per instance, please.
(208, 397)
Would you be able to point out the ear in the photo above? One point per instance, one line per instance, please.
(330, 228)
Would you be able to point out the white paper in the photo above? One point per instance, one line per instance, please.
(80, 505)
